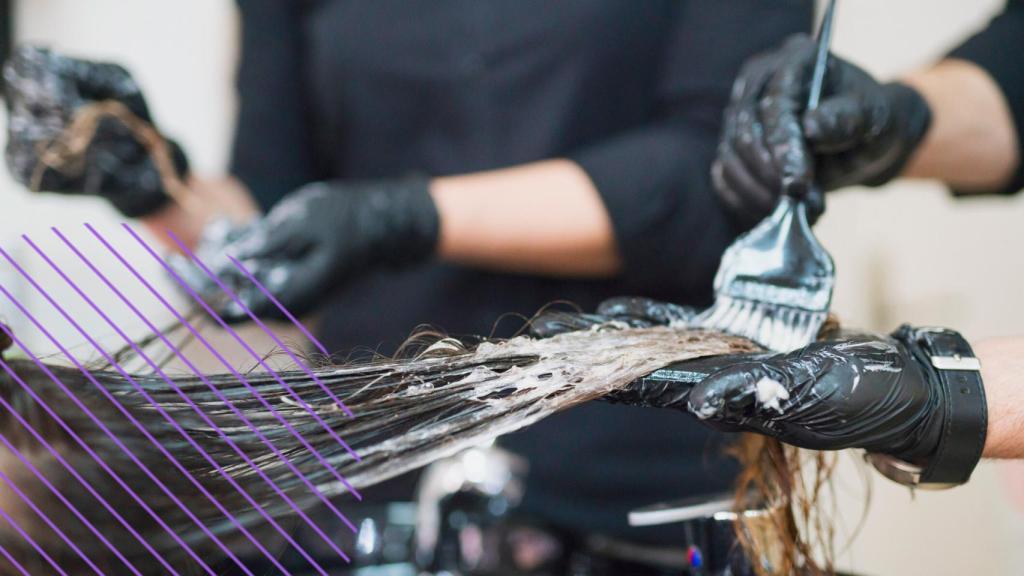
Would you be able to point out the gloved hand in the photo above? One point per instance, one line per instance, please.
(325, 234)
(664, 389)
(44, 91)
(855, 392)
(625, 311)
(863, 132)
(858, 392)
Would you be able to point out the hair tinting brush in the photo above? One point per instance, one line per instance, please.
(775, 282)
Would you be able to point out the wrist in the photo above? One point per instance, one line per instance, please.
(139, 188)
(951, 438)
(406, 220)
(1002, 361)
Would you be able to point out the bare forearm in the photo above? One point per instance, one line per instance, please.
(972, 143)
(541, 218)
(1003, 373)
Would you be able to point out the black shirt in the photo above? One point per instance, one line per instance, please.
(631, 90)
(999, 49)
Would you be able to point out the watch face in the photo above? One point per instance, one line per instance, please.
(898, 471)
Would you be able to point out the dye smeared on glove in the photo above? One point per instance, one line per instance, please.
(325, 234)
(860, 392)
(862, 133)
(217, 234)
(44, 92)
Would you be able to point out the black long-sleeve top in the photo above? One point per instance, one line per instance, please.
(632, 91)
(999, 49)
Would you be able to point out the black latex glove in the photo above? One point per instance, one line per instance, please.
(862, 133)
(859, 392)
(625, 311)
(669, 388)
(43, 92)
(325, 234)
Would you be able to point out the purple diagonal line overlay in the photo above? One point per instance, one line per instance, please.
(199, 300)
(209, 384)
(235, 372)
(226, 364)
(280, 306)
(270, 333)
(31, 542)
(46, 519)
(113, 401)
(180, 430)
(28, 464)
(260, 323)
(78, 439)
(13, 562)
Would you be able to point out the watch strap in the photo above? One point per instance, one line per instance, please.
(951, 362)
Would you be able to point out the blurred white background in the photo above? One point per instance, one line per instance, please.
(906, 253)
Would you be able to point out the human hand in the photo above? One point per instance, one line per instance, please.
(325, 234)
(44, 93)
(863, 132)
(863, 391)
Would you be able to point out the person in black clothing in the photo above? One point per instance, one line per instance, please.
(918, 400)
(452, 162)
(960, 121)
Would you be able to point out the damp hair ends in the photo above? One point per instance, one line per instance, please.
(157, 501)
(63, 507)
(412, 411)
(793, 486)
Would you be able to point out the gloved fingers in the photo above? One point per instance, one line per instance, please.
(297, 284)
(743, 128)
(747, 142)
(744, 195)
(266, 241)
(781, 110)
(639, 311)
(250, 298)
(754, 74)
(756, 71)
(555, 322)
(635, 312)
(743, 133)
(815, 201)
(731, 395)
(33, 77)
(839, 124)
(99, 81)
(649, 393)
(288, 229)
(50, 180)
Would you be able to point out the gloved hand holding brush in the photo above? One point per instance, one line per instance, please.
(864, 132)
(45, 94)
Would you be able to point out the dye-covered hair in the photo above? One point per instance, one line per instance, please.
(219, 459)
(158, 485)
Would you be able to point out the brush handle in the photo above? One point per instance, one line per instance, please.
(821, 62)
(818, 79)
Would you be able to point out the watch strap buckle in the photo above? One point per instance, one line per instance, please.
(956, 362)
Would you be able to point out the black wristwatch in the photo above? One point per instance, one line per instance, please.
(952, 365)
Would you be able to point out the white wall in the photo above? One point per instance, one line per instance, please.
(183, 54)
(906, 253)
(910, 253)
